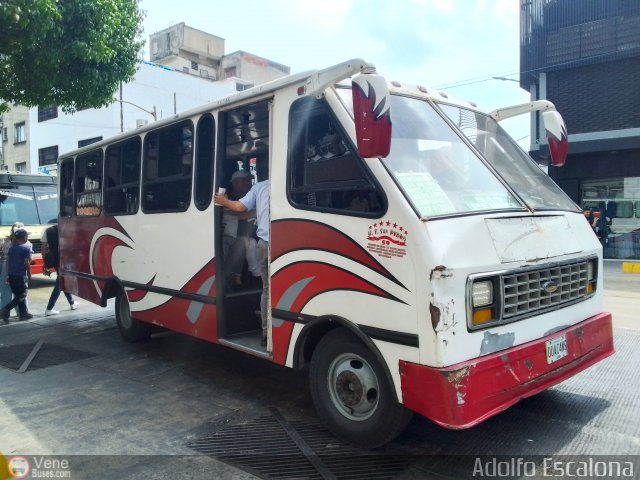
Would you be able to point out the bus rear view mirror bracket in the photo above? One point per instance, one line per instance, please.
(554, 125)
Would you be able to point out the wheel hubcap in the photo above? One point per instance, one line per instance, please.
(353, 386)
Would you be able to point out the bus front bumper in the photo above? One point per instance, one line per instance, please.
(465, 394)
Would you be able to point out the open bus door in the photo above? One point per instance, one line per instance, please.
(243, 148)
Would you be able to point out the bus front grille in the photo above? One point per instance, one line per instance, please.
(37, 246)
(533, 291)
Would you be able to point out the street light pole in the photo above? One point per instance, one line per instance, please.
(153, 113)
(505, 79)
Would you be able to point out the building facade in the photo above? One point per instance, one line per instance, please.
(584, 56)
(191, 70)
(199, 53)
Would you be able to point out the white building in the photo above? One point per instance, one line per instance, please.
(199, 53)
(36, 139)
(194, 71)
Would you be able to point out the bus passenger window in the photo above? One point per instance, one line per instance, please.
(204, 162)
(88, 180)
(168, 157)
(326, 172)
(122, 173)
(66, 188)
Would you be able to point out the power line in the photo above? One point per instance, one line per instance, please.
(472, 81)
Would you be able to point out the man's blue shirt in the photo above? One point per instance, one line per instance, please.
(16, 259)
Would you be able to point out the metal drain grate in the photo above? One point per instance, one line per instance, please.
(48, 355)
(263, 448)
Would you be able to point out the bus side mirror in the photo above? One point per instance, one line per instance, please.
(556, 136)
(372, 115)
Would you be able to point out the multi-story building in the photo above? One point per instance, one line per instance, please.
(33, 138)
(584, 56)
(199, 53)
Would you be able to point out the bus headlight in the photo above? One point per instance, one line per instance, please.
(482, 293)
(482, 302)
(592, 275)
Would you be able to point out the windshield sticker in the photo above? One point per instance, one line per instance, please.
(425, 193)
(16, 195)
(387, 239)
(489, 202)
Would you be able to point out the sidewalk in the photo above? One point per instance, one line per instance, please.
(618, 283)
(622, 295)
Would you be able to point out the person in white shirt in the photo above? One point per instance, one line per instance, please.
(257, 199)
(238, 242)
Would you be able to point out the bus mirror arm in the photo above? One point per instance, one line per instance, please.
(553, 123)
(323, 79)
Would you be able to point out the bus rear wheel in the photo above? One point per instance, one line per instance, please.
(132, 330)
(351, 393)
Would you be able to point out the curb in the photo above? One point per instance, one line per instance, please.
(630, 267)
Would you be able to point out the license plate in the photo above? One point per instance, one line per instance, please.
(557, 349)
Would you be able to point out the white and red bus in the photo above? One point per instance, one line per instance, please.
(424, 264)
(33, 200)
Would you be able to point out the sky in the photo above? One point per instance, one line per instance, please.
(455, 46)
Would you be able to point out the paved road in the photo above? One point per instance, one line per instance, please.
(146, 410)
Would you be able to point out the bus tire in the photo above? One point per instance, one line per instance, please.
(351, 392)
(132, 330)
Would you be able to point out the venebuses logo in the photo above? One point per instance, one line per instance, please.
(19, 467)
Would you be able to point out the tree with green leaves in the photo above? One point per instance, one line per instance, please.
(70, 53)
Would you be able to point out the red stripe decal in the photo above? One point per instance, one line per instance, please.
(291, 235)
(317, 278)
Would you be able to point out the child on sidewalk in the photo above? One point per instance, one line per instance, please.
(19, 274)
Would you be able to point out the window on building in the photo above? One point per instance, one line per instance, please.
(88, 183)
(168, 157)
(88, 141)
(229, 72)
(204, 162)
(5, 134)
(616, 204)
(20, 133)
(47, 113)
(326, 173)
(194, 66)
(48, 155)
(21, 167)
(122, 177)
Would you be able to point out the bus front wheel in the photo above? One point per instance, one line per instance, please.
(132, 330)
(351, 393)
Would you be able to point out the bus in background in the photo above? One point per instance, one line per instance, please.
(33, 200)
(419, 260)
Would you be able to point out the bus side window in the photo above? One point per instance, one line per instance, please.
(122, 172)
(325, 170)
(88, 180)
(168, 157)
(205, 138)
(66, 188)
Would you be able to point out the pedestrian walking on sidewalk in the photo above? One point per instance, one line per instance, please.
(51, 255)
(19, 275)
(5, 244)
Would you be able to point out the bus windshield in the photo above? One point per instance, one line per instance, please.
(516, 167)
(436, 169)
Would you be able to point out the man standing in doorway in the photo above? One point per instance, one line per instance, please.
(257, 199)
